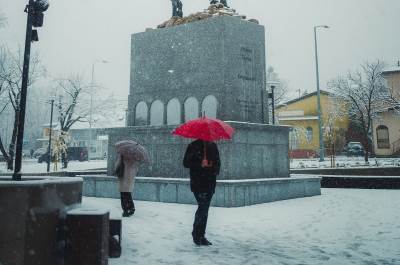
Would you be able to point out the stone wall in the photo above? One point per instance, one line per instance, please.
(228, 193)
(256, 151)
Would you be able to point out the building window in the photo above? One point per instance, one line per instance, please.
(293, 140)
(309, 134)
(191, 109)
(209, 106)
(382, 137)
(157, 113)
(173, 112)
(141, 113)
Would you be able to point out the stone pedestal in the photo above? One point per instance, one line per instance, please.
(256, 151)
(228, 193)
(222, 56)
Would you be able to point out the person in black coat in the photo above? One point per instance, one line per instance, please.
(202, 158)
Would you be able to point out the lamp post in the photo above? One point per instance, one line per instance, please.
(91, 105)
(271, 95)
(321, 137)
(34, 10)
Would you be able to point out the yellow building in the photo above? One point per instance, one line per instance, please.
(302, 115)
(386, 127)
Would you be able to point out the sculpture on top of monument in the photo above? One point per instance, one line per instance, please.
(214, 2)
(177, 8)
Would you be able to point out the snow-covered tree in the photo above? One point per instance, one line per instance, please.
(335, 112)
(59, 150)
(366, 93)
(3, 20)
(71, 105)
(11, 67)
(74, 100)
(281, 87)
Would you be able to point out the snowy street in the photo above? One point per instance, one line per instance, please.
(342, 226)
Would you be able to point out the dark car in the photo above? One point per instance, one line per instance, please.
(39, 152)
(78, 153)
(74, 153)
(2, 158)
(354, 149)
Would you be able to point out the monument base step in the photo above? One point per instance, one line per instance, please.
(228, 193)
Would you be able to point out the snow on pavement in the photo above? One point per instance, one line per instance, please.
(32, 166)
(342, 226)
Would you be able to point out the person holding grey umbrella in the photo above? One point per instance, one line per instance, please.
(130, 155)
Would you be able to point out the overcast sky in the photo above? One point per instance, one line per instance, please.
(79, 32)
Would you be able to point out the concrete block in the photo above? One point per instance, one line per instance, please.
(147, 191)
(169, 192)
(107, 187)
(89, 188)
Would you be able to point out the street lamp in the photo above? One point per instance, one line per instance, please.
(321, 137)
(34, 10)
(91, 104)
(271, 95)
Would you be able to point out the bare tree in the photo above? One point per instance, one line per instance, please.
(281, 87)
(3, 20)
(72, 106)
(10, 84)
(74, 101)
(335, 111)
(366, 93)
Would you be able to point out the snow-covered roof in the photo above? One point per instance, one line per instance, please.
(100, 121)
(322, 92)
(304, 118)
(391, 69)
(47, 125)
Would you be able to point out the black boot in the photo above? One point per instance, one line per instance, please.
(196, 239)
(204, 242)
(127, 204)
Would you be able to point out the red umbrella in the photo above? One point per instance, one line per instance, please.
(204, 128)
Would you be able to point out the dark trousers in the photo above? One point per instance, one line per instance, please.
(200, 220)
(127, 201)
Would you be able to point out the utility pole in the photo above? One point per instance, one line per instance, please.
(51, 129)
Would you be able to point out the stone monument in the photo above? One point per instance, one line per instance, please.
(215, 66)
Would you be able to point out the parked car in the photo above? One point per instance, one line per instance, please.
(74, 153)
(39, 152)
(78, 153)
(354, 149)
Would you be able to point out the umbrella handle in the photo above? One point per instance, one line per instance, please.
(205, 162)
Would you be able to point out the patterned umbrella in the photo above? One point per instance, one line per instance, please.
(132, 150)
(204, 128)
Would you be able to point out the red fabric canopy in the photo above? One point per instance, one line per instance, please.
(204, 128)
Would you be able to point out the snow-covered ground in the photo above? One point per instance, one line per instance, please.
(31, 165)
(344, 161)
(342, 226)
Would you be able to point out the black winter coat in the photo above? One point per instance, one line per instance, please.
(202, 179)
